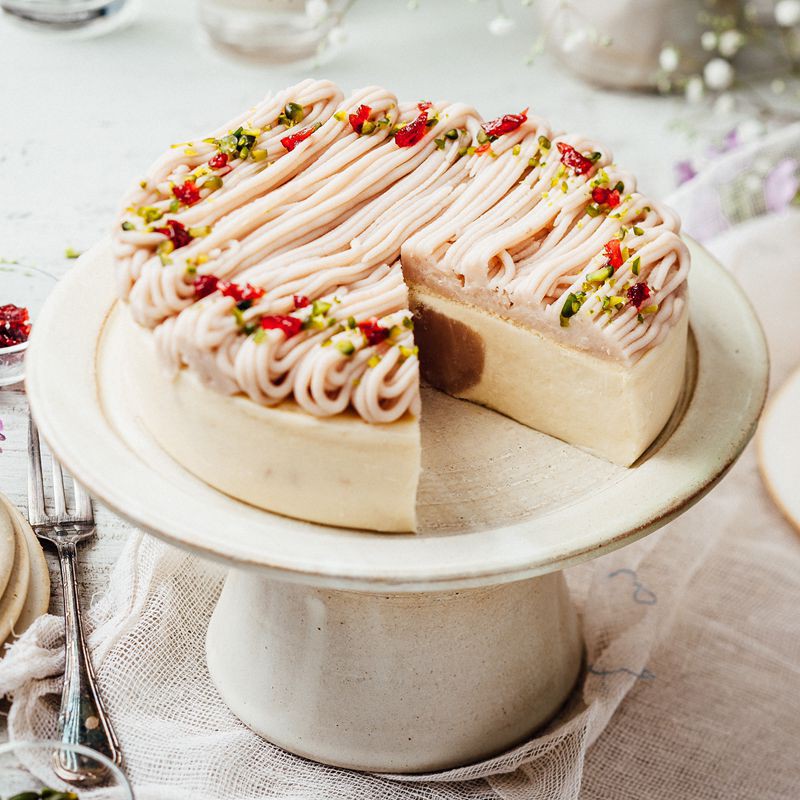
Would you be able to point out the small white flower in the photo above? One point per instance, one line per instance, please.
(337, 36)
(317, 10)
(574, 39)
(709, 40)
(730, 42)
(501, 25)
(748, 130)
(725, 104)
(718, 74)
(787, 13)
(669, 58)
(695, 89)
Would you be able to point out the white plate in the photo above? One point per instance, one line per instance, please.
(779, 449)
(521, 503)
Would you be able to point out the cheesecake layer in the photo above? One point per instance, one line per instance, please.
(613, 410)
(338, 471)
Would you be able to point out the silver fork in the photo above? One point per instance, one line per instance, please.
(82, 718)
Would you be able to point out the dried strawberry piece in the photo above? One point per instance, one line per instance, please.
(360, 116)
(504, 124)
(218, 161)
(482, 148)
(373, 331)
(290, 142)
(291, 326)
(176, 232)
(15, 326)
(412, 133)
(187, 193)
(425, 105)
(204, 285)
(638, 294)
(613, 251)
(240, 293)
(571, 158)
(300, 301)
(609, 197)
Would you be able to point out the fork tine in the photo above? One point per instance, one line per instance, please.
(36, 509)
(83, 504)
(59, 497)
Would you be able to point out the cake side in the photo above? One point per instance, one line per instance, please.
(611, 409)
(339, 471)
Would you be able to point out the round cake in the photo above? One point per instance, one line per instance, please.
(287, 278)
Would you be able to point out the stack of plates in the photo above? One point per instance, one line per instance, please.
(24, 577)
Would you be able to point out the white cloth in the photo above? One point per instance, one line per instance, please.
(692, 635)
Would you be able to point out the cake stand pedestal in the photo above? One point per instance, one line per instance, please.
(402, 682)
(401, 653)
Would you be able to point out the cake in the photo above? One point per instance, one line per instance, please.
(286, 280)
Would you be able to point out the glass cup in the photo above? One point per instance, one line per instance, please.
(278, 31)
(85, 17)
(29, 768)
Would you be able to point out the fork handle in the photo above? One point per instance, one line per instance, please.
(82, 718)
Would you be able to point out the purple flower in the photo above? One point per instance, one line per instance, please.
(781, 185)
(684, 171)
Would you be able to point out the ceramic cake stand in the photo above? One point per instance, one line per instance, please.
(402, 653)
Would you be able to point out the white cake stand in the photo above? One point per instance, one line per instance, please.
(402, 652)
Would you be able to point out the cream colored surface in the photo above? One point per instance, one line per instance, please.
(339, 470)
(37, 598)
(408, 682)
(7, 544)
(610, 409)
(13, 598)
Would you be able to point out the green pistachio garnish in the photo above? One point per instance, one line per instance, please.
(600, 275)
(291, 115)
(407, 352)
(635, 265)
(545, 143)
(408, 323)
(374, 361)
(211, 182)
(595, 156)
(199, 231)
(515, 150)
(571, 307)
(149, 213)
(351, 323)
(259, 155)
(439, 143)
(452, 134)
(592, 210)
(128, 226)
(71, 252)
(346, 347)
(320, 308)
(341, 116)
(638, 231)
(482, 137)
(367, 127)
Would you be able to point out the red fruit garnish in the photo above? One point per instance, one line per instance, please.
(613, 251)
(373, 332)
(609, 197)
(571, 158)
(218, 161)
(239, 292)
(504, 124)
(290, 142)
(412, 133)
(483, 148)
(291, 326)
(204, 285)
(176, 232)
(424, 105)
(358, 119)
(187, 193)
(300, 301)
(15, 326)
(638, 294)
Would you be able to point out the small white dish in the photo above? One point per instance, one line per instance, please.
(24, 287)
(779, 449)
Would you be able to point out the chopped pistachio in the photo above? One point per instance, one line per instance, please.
(515, 150)
(650, 309)
(635, 265)
(368, 127)
(638, 231)
(189, 151)
(592, 210)
(211, 182)
(595, 156)
(545, 143)
(199, 231)
(351, 323)
(452, 134)
(374, 361)
(128, 226)
(320, 307)
(149, 213)
(165, 247)
(346, 347)
(341, 116)
(600, 275)
(482, 137)
(259, 155)
(564, 187)
(71, 252)
(408, 323)
(143, 184)
(439, 143)
(407, 352)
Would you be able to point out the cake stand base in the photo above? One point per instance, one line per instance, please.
(408, 682)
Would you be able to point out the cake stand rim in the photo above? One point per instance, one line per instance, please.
(419, 572)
